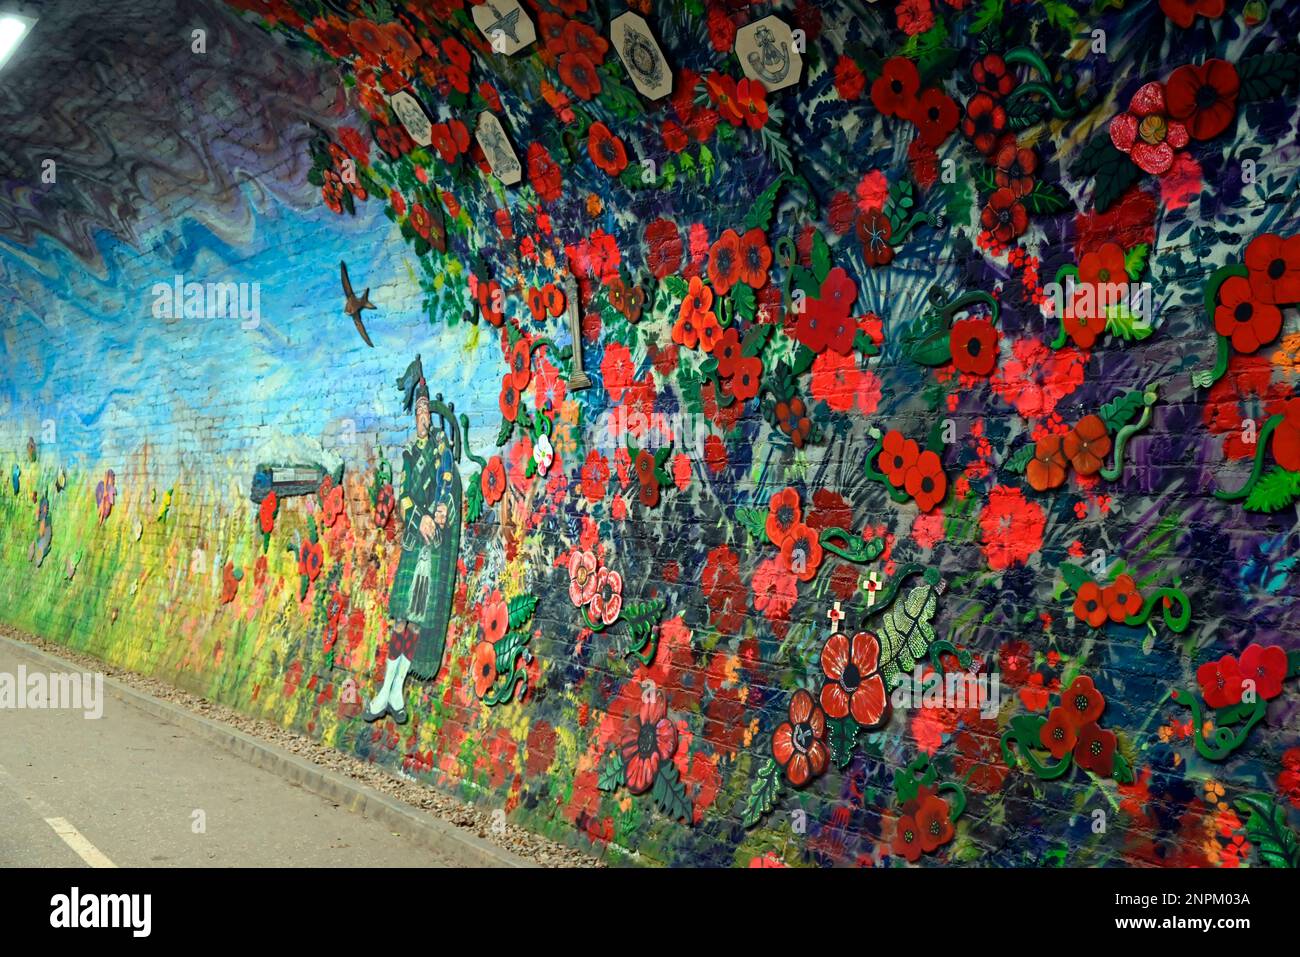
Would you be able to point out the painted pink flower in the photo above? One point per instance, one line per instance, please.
(607, 597)
(1146, 132)
(582, 577)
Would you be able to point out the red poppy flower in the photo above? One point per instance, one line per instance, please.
(695, 313)
(1183, 12)
(543, 172)
(1121, 598)
(554, 299)
(1266, 667)
(536, 304)
(606, 149)
(521, 364)
(934, 822)
(849, 80)
(311, 558)
(484, 667)
(724, 262)
(935, 116)
(907, 839)
(1286, 437)
(974, 346)
(925, 481)
(1081, 325)
(578, 37)
(449, 139)
(649, 495)
(663, 248)
(783, 514)
(727, 352)
(674, 136)
(746, 378)
(799, 745)
(874, 230)
(1087, 445)
(650, 741)
(894, 91)
(1220, 682)
(1004, 216)
(751, 98)
(755, 258)
(1014, 168)
(645, 468)
(1147, 133)
(722, 92)
(801, 552)
(1249, 322)
(493, 482)
(990, 72)
(1089, 606)
(1057, 734)
(266, 513)
(1274, 265)
(509, 398)
(579, 74)
(897, 456)
(1203, 98)
(1082, 702)
(1095, 750)
(1046, 470)
(985, 122)
(491, 300)
(792, 417)
(825, 322)
(853, 684)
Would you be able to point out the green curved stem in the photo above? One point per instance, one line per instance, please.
(889, 591)
(1224, 740)
(1176, 620)
(958, 800)
(724, 399)
(1062, 335)
(856, 550)
(1041, 89)
(594, 626)
(942, 647)
(464, 438)
(949, 309)
(898, 237)
(1121, 438)
(1204, 378)
(1045, 772)
(1028, 57)
(1261, 445)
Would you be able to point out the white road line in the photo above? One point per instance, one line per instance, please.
(73, 838)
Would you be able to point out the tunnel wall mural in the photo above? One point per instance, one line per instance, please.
(714, 433)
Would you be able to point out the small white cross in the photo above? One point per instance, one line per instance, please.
(836, 616)
(872, 584)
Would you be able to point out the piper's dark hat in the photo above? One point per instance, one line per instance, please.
(413, 385)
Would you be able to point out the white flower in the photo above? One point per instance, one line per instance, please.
(543, 453)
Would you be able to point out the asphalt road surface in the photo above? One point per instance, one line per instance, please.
(131, 790)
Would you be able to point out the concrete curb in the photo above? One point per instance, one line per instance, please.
(458, 845)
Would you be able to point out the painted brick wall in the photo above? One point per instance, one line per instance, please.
(881, 451)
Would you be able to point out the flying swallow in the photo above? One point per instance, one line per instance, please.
(354, 305)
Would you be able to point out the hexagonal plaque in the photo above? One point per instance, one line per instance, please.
(637, 47)
(767, 53)
(491, 136)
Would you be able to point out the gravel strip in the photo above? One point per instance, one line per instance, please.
(526, 844)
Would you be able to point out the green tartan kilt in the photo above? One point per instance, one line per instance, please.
(431, 626)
